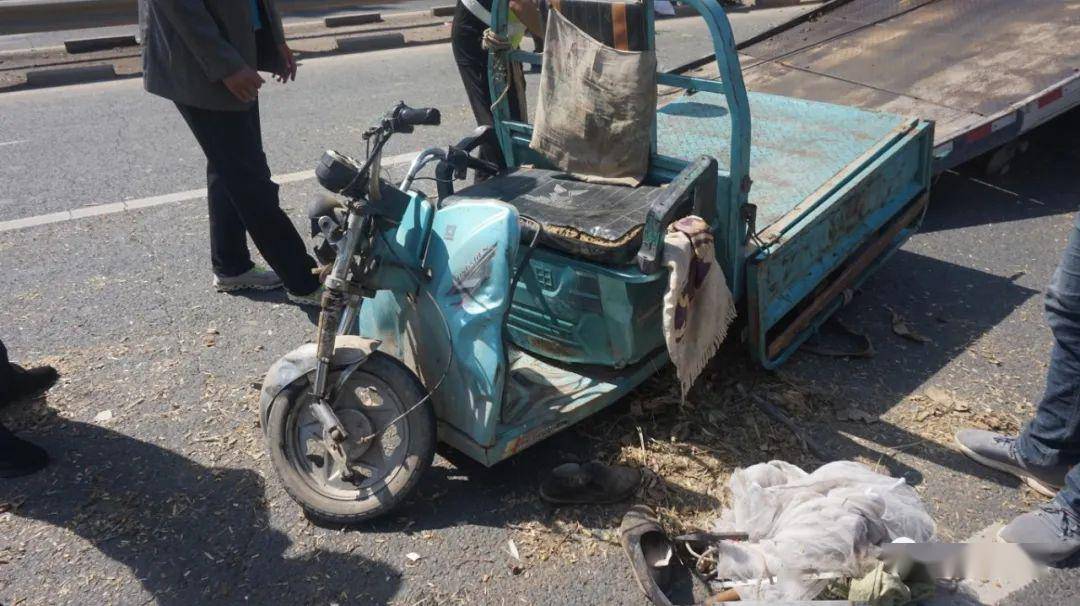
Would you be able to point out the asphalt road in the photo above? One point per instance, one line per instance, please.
(170, 497)
(101, 143)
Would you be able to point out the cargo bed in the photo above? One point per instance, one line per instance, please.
(834, 190)
(985, 71)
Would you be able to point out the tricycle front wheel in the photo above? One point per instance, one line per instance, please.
(374, 475)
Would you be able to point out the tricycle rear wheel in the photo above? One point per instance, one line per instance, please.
(386, 469)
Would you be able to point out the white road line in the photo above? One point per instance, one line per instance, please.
(98, 210)
(6, 143)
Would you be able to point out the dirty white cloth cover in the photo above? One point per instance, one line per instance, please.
(596, 107)
(831, 520)
(698, 306)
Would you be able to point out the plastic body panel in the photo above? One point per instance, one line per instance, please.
(468, 257)
(578, 312)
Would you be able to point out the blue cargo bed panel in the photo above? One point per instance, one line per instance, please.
(797, 146)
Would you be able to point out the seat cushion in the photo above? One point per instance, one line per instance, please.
(593, 221)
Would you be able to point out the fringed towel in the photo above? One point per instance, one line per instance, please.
(698, 306)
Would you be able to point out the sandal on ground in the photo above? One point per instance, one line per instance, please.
(589, 483)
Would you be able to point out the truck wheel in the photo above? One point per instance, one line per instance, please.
(382, 471)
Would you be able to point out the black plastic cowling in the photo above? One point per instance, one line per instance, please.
(340, 174)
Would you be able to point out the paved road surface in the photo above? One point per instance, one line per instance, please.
(172, 498)
(110, 142)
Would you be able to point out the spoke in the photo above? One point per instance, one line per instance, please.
(365, 470)
(373, 462)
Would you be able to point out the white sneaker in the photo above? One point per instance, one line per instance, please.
(256, 278)
(312, 299)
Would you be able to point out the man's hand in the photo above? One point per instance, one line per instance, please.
(244, 84)
(288, 71)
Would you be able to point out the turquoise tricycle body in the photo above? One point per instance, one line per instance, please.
(805, 202)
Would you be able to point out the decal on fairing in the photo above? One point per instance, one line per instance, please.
(474, 276)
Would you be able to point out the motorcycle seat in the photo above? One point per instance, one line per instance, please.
(593, 221)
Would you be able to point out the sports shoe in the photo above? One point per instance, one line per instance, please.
(312, 299)
(28, 382)
(999, 451)
(1049, 534)
(19, 457)
(256, 278)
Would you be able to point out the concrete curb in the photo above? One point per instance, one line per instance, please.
(359, 43)
(89, 45)
(31, 16)
(358, 19)
(443, 11)
(370, 42)
(62, 76)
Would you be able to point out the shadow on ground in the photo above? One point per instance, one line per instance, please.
(953, 306)
(1035, 177)
(189, 533)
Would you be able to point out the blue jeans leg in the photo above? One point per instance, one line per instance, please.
(1053, 436)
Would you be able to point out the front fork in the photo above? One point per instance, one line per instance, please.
(340, 306)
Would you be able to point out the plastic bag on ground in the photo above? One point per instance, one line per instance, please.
(802, 525)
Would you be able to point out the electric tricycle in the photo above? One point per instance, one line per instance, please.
(494, 316)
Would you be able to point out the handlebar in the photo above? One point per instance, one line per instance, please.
(483, 166)
(404, 118)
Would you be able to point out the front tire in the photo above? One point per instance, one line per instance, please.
(387, 468)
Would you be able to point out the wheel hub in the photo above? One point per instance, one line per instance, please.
(358, 427)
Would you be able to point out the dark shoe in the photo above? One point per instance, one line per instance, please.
(593, 482)
(256, 278)
(999, 451)
(27, 382)
(312, 299)
(19, 457)
(1049, 534)
(651, 554)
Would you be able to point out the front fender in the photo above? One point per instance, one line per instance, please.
(349, 350)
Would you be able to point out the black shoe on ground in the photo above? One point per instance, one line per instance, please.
(19, 457)
(30, 381)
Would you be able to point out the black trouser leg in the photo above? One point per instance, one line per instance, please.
(7, 375)
(472, 62)
(229, 255)
(237, 168)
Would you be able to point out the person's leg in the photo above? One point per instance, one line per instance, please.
(1051, 440)
(17, 382)
(229, 255)
(19, 457)
(7, 375)
(233, 145)
(471, 59)
(1052, 437)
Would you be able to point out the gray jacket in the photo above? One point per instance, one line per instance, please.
(189, 46)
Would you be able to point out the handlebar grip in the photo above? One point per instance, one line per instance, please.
(483, 166)
(424, 116)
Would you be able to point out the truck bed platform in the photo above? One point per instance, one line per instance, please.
(984, 70)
